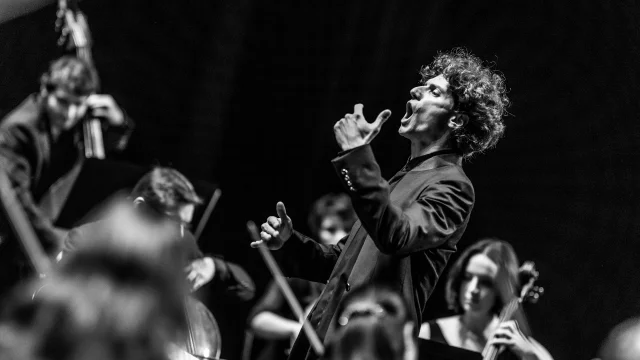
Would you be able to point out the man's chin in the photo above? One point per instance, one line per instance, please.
(403, 131)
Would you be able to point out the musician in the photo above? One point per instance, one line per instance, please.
(373, 323)
(474, 292)
(165, 193)
(409, 225)
(330, 219)
(40, 149)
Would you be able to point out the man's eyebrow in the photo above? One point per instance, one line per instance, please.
(430, 84)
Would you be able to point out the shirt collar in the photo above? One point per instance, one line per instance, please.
(413, 162)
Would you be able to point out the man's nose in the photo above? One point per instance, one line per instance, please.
(72, 112)
(416, 92)
(473, 286)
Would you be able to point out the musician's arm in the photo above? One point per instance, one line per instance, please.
(117, 137)
(232, 280)
(265, 318)
(525, 347)
(539, 352)
(17, 154)
(304, 258)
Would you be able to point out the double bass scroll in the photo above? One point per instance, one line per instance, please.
(75, 35)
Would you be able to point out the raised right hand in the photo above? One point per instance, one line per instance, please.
(276, 231)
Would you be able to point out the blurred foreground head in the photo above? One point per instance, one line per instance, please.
(118, 298)
(373, 324)
(623, 342)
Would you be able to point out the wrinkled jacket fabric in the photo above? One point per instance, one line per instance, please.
(408, 228)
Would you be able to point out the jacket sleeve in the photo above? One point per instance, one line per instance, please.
(302, 257)
(232, 280)
(17, 158)
(429, 221)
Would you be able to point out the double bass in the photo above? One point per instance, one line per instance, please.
(74, 32)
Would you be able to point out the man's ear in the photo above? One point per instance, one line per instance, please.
(458, 120)
(137, 201)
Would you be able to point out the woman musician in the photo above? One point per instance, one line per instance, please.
(472, 292)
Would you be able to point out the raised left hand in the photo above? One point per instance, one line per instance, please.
(510, 335)
(105, 107)
(353, 130)
(200, 272)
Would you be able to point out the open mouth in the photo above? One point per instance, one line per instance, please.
(409, 110)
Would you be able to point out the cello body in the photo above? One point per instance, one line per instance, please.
(203, 338)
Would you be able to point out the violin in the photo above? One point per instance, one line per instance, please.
(528, 293)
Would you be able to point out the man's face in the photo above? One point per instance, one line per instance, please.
(63, 108)
(428, 111)
(185, 215)
(331, 230)
(185, 212)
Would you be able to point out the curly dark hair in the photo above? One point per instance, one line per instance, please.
(501, 253)
(478, 92)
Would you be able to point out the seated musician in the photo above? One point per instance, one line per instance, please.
(166, 193)
(472, 291)
(331, 217)
(373, 323)
(40, 149)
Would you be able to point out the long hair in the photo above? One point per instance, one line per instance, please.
(501, 253)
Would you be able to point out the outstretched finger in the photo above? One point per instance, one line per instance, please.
(382, 118)
(282, 211)
(357, 110)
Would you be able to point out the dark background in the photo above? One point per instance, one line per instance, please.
(243, 94)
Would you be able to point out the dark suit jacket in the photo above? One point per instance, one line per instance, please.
(407, 230)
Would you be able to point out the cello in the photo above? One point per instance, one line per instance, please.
(202, 340)
(528, 293)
